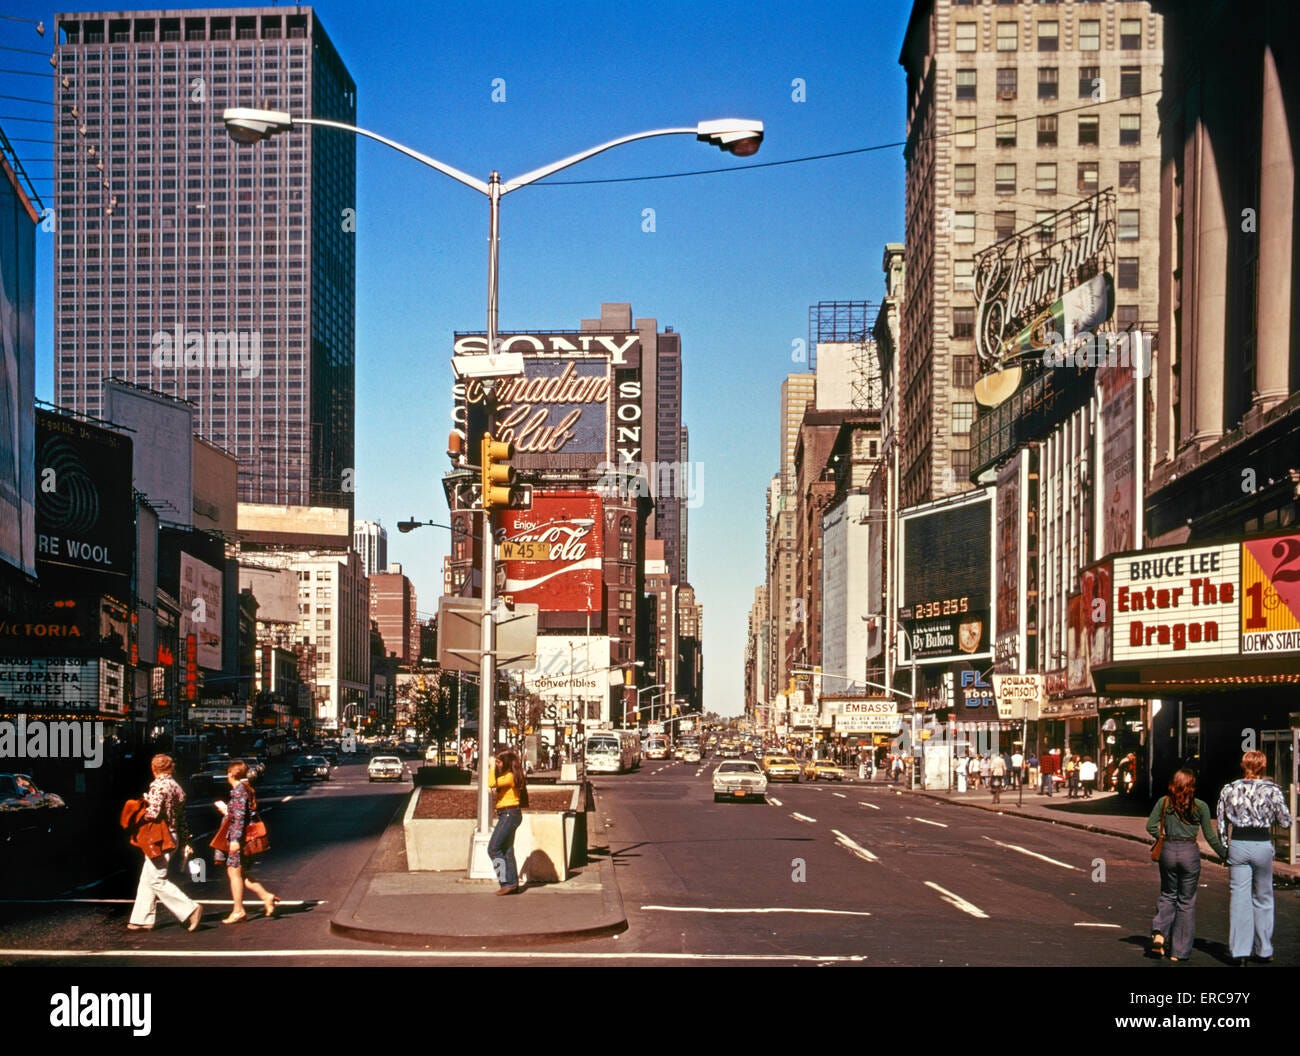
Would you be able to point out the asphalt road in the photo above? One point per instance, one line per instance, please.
(852, 874)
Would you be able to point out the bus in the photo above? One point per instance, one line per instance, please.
(613, 751)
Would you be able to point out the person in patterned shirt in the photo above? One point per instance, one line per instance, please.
(1251, 806)
(164, 802)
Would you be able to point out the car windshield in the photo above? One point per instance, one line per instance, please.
(781, 760)
(738, 768)
(387, 760)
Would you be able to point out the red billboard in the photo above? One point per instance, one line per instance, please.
(553, 553)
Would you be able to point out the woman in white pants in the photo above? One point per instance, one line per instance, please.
(164, 802)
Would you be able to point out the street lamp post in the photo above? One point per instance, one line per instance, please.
(735, 136)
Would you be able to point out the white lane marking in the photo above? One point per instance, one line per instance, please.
(927, 821)
(1088, 924)
(871, 805)
(455, 955)
(1032, 854)
(958, 901)
(131, 901)
(286, 799)
(774, 801)
(856, 848)
(803, 817)
(758, 909)
(698, 772)
(840, 794)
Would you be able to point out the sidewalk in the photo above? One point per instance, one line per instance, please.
(1105, 812)
(391, 906)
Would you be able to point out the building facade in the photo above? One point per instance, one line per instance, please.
(217, 273)
(392, 608)
(370, 541)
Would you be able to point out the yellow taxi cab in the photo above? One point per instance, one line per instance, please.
(780, 768)
(823, 770)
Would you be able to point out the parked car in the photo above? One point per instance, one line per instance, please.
(387, 768)
(781, 768)
(739, 779)
(823, 770)
(311, 768)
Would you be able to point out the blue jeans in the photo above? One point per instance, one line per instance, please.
(1250, 897)
(501, 846)
(1180, 871)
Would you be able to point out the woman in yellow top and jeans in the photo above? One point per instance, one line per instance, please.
(506, 776)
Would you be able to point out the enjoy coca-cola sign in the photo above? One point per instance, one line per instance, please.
(553, 553)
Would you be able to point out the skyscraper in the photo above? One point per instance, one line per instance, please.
(1015, 110)
(185, 263)
(370, 540)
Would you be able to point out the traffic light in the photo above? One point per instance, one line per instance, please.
(497, 474)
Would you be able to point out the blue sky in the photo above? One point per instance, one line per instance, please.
(733, 263)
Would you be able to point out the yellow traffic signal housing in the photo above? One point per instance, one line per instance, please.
(497, 475)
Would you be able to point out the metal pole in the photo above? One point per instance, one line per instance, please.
(480, 867)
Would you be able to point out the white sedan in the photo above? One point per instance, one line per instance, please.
(739, 779)
(387, 768)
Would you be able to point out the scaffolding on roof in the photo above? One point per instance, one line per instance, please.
(851, 323)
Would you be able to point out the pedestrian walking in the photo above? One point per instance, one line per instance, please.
(986, 770)
(1088, 776)
(896, 768)
(164, 803)
(1047, 771)
(238, 817)
(506, 776)
(1248, 809)
(973, 770)
(1072, 777)
(1174, 823)
(997, 776)
(1017, 768)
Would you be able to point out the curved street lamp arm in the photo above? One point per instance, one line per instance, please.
(433, 163)
(554, 167)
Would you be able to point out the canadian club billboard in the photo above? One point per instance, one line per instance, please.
(553, 553)
(947, 577)
(567, 409)
(85, 508)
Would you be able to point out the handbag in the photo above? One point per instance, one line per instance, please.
(1160, 842)
(256, 840)
(221, 839)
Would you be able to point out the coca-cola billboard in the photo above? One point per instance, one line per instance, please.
(552, 553)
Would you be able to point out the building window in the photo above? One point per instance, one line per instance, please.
(962, 416)
(1128, 227)
(1089, 35)
(1047, 131)
(1126, 316)
(1130, 34)
(1049, 36)
(1130, 82)
(1090, 82)
(1008, 36)
(1045, 221)
(965, 84)
(1089, 130)
(1007, 82)
(963, 371)
(961, 465)
(964, 132)
(1130, 175)
(1048, 82)
(1004, 224)
(963, 322)
(1088, 178)
(1004, 177)
(963, 227)
(963, 274)
(625, 599)
(1004, 132)
(963, 179)
(1127, 277)
(966, 36)
(1130, 130)
(1045, 177)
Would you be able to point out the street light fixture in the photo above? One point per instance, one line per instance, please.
(250, 125)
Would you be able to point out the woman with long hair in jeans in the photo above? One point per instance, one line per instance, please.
(1181, 816)
(1251, 806)
(506, 776)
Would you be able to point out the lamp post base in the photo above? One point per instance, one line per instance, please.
(480, 865)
